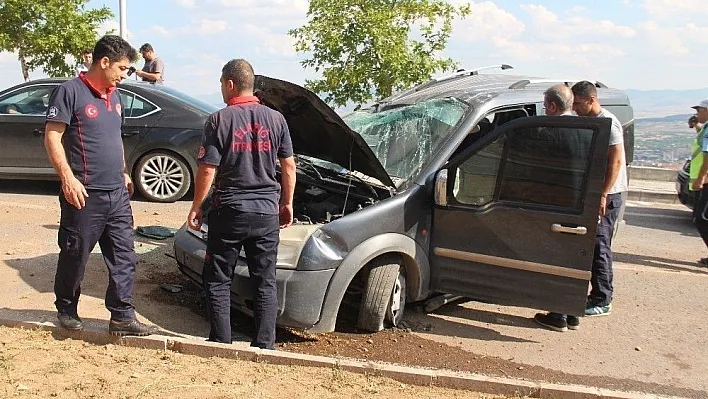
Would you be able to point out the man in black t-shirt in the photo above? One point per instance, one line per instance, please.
(239, 147)
(83, 141)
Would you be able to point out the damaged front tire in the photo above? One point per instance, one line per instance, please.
(384, 296)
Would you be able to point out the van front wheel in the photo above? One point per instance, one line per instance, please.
(384, 297)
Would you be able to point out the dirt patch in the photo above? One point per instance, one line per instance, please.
(34, 364)
(402, 346)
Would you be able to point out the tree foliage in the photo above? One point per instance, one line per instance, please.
(367, 49)
(44, 32)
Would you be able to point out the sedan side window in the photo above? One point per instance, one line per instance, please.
(32, 100)
(135, 106)
(530, 166)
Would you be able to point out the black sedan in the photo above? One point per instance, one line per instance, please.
(161, 135)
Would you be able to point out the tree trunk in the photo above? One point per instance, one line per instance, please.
(23, 65)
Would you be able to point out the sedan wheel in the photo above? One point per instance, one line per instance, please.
(162, 177)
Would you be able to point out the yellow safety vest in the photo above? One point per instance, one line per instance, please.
(697, 155)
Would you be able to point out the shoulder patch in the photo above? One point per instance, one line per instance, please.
(119, 109)
(202, 152)
(52, 112)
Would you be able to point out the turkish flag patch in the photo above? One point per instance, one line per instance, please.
(119, 109)
(91, 111)
(202, 152)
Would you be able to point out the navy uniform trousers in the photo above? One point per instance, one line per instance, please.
(259, 235)
(107, 219)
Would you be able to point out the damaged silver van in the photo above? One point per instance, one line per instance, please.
(458, 186)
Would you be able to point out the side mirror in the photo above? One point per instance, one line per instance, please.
(441, 188)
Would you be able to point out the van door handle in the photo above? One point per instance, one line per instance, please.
(38, 132)
(559, 228)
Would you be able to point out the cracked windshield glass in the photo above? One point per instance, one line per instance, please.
(405, 138)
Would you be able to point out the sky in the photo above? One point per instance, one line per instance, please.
(628, 44)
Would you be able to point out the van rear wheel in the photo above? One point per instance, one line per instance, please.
(384, 296)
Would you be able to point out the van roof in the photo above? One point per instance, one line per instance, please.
(479, 88)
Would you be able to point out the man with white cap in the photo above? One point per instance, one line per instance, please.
(699, 182)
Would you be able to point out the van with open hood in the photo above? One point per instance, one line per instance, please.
(458, 186)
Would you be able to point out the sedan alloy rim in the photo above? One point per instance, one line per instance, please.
(162, 176)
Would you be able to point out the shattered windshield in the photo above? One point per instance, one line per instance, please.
(404, 139)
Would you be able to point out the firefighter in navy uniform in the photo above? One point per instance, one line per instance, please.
(240, 145)
(83, 141)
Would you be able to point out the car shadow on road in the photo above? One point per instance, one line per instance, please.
(659, 263)
(29, 187)
(485, 316)
(433, 323)
(678, 220)
(178, 312)
(53, 188)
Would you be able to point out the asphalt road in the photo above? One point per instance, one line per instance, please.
(654, 335)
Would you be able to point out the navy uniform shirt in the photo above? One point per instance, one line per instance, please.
(243, 140)
(92, 139)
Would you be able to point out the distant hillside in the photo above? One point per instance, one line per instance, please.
(660, 103)
(670, 118)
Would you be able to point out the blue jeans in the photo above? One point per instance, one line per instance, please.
(602, 274)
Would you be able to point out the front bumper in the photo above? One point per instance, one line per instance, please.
(300, 293)
(685, 195)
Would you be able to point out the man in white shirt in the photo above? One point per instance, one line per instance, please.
(585, 103)
(86, 64)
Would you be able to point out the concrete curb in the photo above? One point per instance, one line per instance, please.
(653, 196)
(404, 374)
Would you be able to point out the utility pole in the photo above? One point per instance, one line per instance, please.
(123, 23)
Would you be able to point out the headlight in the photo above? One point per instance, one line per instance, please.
(327, 246)
(321, 252)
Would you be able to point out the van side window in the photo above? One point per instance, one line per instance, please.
(533, 166)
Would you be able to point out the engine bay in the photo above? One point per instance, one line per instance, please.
(323, 195)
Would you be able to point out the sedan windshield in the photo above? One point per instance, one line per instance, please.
(404, 139)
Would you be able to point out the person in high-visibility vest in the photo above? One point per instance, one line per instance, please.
(699, 172)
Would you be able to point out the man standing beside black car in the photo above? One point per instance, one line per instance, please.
(154, 69)
(239, 147)
(84, 144)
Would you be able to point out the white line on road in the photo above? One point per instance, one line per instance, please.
(658, 216)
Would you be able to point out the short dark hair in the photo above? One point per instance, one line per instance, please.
(146, 47)
(115, 48)
(584, 89)
(87, 51)
(240, 72)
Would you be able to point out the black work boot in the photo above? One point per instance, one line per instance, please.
(573, 322)
(552, 321)
(130, 327)
(70, 322)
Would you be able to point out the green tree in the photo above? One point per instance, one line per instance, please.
(44, 32)
(367, 49)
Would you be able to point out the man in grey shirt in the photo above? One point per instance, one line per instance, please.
(154, 69)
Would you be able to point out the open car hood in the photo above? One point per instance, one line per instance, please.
(316, 130)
